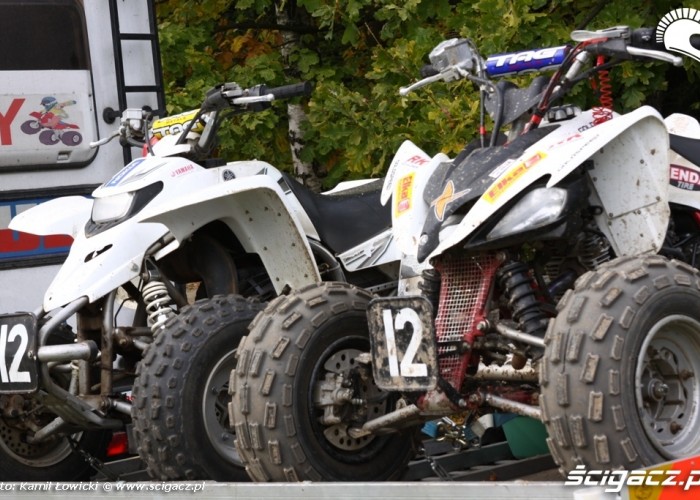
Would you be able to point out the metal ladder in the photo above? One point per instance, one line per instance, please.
(124, 89)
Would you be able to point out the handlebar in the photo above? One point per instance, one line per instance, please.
(643, 43)
(105, 140)
(231, 94)
(288, 91)
(624, 43)
(619, 42)
(645, 38)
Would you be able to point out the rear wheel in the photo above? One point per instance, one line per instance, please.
(298, 388)
(71, 138)
(621, 373)
(180, 413)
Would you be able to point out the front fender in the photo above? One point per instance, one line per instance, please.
(629, 179)
(254, 208)
(97, 265)
(65, 215)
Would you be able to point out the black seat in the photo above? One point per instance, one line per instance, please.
(687, 147)
(346, 219)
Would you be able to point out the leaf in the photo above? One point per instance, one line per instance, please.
(350, 35)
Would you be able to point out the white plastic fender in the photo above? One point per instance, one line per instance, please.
(630, 178)
(65, 215)
(257, 212)
(407, 157)
(408, 176)
(97, 265)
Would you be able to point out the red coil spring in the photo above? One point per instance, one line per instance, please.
(603, 112)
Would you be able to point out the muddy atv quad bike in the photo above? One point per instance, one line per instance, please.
(544, 252)
(142, 354)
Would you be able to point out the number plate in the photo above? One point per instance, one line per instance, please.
(18, 366)
(404, 351)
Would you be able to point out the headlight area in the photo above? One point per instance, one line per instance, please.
(538, 208)
(111, 207)
(109, 211)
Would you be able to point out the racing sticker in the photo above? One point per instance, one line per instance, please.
(172, 125)
(448, 195)
(685, 178)
(404, 194)
(503, 183)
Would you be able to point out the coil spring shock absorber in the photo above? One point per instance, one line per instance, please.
(603, 112)
(158, 301)
(430, 286)
(517, 287)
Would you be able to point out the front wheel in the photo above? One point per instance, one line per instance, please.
(621, 372)
(298, 389)
(59, 457)
(49, 137)
(30, 127)
(181, 396)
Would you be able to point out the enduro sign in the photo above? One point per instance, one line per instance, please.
(404, 350)
(18, 366)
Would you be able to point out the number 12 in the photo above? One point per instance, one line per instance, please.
(14, 375)
(406, 368)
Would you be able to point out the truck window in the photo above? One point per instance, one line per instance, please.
(47, 111)
(42, 35)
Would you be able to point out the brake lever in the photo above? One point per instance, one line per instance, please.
(241, 101)
(450, 74)
(610, 33)
(655, 54)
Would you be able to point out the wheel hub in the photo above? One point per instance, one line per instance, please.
(13, 441)
(346, 399)
(667, 388)
(215, 408)
(656, 390)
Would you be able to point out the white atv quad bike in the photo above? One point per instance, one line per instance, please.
(243, 230)
(544, 253)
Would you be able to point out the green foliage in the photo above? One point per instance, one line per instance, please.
(358, 53)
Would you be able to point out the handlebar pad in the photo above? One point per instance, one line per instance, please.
(289, 91)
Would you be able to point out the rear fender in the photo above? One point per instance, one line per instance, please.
(255, 210)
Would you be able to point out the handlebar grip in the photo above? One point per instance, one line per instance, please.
(288, 91)
(215, 99)
(645, 38)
